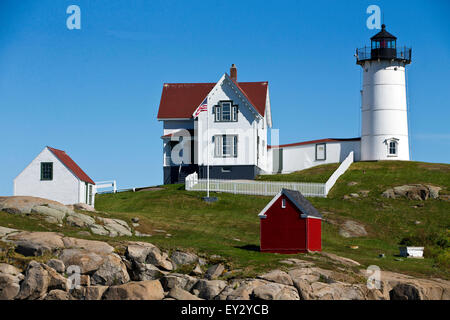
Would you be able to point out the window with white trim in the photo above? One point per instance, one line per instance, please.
(283, 203)
(225, 146)
(225, 111)
(321, 151)
(392, 147)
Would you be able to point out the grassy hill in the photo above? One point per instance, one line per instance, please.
(230, 227)
(318, 174)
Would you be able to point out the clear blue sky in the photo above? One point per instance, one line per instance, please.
(95, 92)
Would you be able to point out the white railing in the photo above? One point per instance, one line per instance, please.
(267, 188)
(263, 188)
(191, 180)
(339, 171)
(106, 184)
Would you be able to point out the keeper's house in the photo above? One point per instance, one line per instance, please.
(54, 175)
(231, 135)
(290, 224)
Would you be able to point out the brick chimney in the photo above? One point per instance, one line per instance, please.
(233, 72)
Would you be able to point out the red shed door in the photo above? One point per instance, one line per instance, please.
(283, 230)
(314, 234)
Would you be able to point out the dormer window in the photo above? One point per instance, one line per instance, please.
(392, 145)
(225, 111)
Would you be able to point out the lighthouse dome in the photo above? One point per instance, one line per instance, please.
(383, 34)
(383, 46)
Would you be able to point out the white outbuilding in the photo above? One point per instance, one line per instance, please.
(54, 175)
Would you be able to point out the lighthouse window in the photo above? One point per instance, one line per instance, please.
(392, 148)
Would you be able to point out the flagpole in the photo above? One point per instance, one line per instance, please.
(207, 149)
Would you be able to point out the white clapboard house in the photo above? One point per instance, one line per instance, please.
(54, 175)
(231, 136)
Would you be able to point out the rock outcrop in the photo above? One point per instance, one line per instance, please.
(80, 269)
(413, 192)
(57, 213)
(351, 229)
(24, 205)
(143, 290)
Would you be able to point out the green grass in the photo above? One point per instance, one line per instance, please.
(390, 220)
(213, 228)
(319, 174)
(195, 225)
(230, 227)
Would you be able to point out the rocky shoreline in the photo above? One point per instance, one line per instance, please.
(142, 271)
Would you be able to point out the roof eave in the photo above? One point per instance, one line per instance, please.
(166, 119)
(244, 95)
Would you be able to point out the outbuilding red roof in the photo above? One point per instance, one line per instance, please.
(179, 100)
(312, 142)
(71, 165)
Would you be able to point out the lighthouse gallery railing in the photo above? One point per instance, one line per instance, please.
(401, 53)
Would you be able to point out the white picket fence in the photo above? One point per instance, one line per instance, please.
(267, 188)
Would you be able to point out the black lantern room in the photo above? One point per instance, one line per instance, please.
(383, 47)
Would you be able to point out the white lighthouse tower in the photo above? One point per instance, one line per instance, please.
(384, 126)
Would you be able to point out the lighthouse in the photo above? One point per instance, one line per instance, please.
(384, 128)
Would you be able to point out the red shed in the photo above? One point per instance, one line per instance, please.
(290, 224)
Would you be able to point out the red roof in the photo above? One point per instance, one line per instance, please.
(71, 165)
(312, 142)
(179, 100)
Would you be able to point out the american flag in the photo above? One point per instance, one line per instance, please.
(202, 107)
